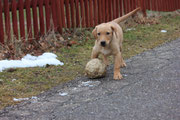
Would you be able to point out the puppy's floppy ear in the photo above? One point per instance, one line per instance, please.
(94, 32)
(114, 29)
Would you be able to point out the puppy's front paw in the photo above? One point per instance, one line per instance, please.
(117, 76)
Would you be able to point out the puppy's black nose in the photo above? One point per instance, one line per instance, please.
(103, 43)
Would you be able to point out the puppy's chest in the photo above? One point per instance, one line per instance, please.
(106, 51)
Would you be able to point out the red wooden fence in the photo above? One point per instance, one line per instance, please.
(28, 19)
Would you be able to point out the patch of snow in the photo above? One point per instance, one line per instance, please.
(125, 75)
(163, 31)
(20, 99)
(89, 84)
(13, 80)
(63, 93)
(31, 61)
(34, 99)
(129, 29)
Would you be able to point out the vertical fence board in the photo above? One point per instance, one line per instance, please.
(58, 16)
(7, 19)
(14, 18)
(124, 7)
(48, 15)
(128, 5)
(63, 13)
(95, 13)
(120, 7)
(67, 13)
(28, 18)
(21, 18)
(148, 4)
(54, 17)
(91, 13)
(110, 10)
(99, 12)
(35, 18)
(77, 13)
(103, 11)
(72, 13)
(107, 11)
(114, 8)
(117, 8)
(86, 13)
(1, 25)
(41, 17)
(82, 13)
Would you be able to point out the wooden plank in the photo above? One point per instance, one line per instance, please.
(35, 18)
(158, 5)
(91, 13)
(21, 19)
(148, 5)
(82, 13)
(28, 18)
(87, 13)
(48, 15)
(133, 4)
(72, 13)
(58, 16)
(107, 11)
(1, 25)
(67, 13)
(41, 17)
(14, 18)
(128, 5)
(117, 8)
(110, 10)
(114, 8)
(95, 13)
(63, 13)
(77, 13)
(99, 11)
(54, 17)
(124, 7)
(7, 20)
(121, 7)
(103, 11)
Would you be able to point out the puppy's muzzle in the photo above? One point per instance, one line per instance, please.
(103, 43)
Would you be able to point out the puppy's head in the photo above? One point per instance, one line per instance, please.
(104, 34)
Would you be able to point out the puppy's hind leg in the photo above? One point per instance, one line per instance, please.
(123, 64)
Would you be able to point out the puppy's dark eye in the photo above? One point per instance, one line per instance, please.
(107, 33)
(99, 33)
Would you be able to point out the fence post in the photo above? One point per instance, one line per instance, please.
(58, 16)
(143, 7)
(41, 17)
(7, 19)
(14, 18)
(1, 26)
(28, 18)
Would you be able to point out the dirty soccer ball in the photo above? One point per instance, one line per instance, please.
(95, 68)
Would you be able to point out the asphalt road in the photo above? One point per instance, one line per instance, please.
(150, 90)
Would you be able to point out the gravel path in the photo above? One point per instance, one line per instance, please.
(150, 90)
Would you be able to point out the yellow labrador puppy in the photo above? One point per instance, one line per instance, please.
(109, 37)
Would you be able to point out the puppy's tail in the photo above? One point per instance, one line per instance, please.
(120, 19)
